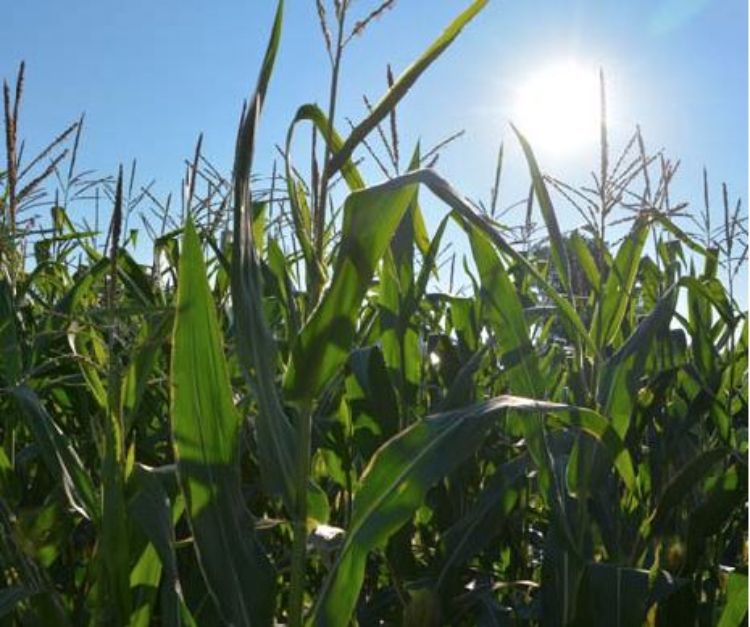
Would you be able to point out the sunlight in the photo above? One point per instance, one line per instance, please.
(557, 108)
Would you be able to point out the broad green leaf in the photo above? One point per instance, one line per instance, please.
(736, 608)
(151, 511)
(618, 288)
(144, 583)
(256, 347)
(622, 373)
(399, 475)
(113, 549)
(206, 433)
(398, 302)
(504, 312)
(370, 219)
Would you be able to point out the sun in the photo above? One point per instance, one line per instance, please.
(557, 107)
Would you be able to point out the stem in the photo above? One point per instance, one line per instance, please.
(603, 209)
(729, 237)
(299, 548)
(320, 208)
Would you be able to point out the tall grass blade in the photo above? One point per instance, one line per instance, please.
(400, 87)
(256, 347)
(206, 431)
(557, 244)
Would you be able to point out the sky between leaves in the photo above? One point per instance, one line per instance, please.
(152, 75)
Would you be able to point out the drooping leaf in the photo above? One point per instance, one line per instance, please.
(399, 475)
(58, 453)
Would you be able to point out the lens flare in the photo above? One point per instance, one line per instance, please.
(557, 108)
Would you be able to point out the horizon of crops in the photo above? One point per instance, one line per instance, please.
(282, 417)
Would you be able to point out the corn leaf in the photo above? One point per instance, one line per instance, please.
(399, 474)
(370, 219)
(256, 347)
(400, 87)
(557, 244)
(206, 432)
(618, 289)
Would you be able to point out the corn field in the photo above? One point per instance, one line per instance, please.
(273, 406)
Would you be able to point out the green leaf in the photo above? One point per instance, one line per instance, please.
(503, 310)
(481, 524)
(11, 597)
(144, 584)
(297, 201)
(398, 476)
(399, 88)
(622, 373)
(370, 219)
(443, 190)
(682, 484)
(585, 259)
(736, 608)
(726, 494)
(58, 453)
(256, 348)
(618, 289)
(313, 114)
(557, 244)
(206, 433)
(144, 359)
(11, 365)
(616, 595)
(151, 511)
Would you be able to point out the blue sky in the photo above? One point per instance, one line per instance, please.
(152, 75)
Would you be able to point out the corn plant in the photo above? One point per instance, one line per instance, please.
(281, 417)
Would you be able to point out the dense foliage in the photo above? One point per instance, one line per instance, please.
(283, 416)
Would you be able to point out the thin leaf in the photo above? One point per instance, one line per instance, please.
(400, 87)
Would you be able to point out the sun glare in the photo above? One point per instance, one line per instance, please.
(557, 108)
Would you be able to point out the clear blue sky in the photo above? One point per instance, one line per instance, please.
(152, 75)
